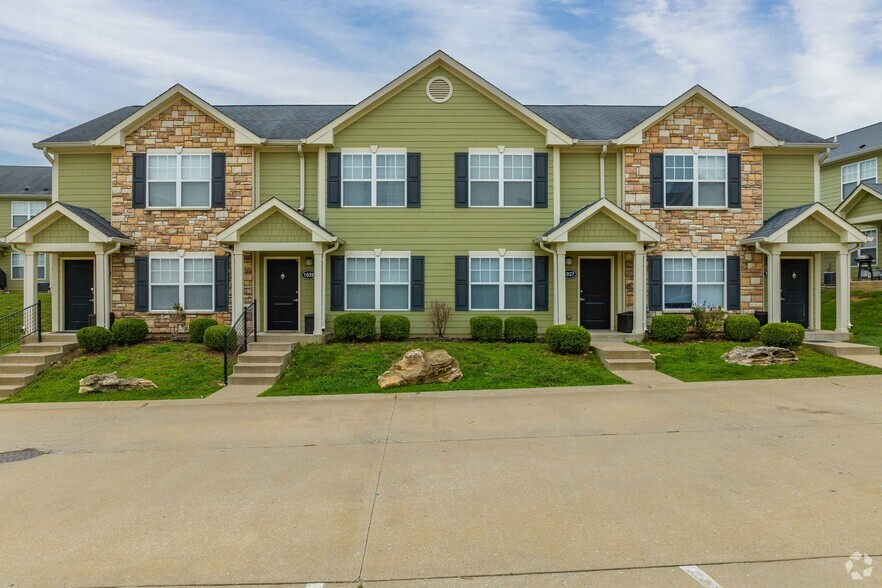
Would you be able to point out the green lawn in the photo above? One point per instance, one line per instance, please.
(701, 362)
(341, 368)
(10, 303)
(866, 315)
(180, 370)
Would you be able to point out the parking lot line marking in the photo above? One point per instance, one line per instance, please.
(700, 576)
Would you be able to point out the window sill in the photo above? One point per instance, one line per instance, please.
(377, 310)
(503, 310)
(379, 207)
(700, 208)
(185, 311)
(160, 208)
(525, 206)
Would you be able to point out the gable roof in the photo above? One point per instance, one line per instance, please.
(99, 229)
(776, 228)
(856, 142)
(560, 231)
(26, 180)
(96, 221)
(856, 195)
(319, 233)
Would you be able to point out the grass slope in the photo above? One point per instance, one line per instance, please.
(180, 370)
(341, 368)
(866, 315)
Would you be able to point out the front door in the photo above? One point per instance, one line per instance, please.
(595, 293)
(79, 293)
(282, 305)
(795, 291)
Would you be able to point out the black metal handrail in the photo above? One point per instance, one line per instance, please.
(17, 325)
(236, 339)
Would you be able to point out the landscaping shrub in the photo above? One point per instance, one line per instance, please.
(94, 338)
(706, 321)
(741, 327)
(569, 339)
(355, 326)
(128, 331)
(439, 314)
(214, 336)
(782, 334)
(197, 328)
(394, 327)
(521, 329)
(669, 328)
(486, 328)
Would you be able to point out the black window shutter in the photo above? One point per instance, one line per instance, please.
(733, 282)
(334, 181)
(142, 283)
(413, 180)
(734, 175)
(656, 180)
(540, 180)
(655, 281)
(462, 282)
(338, 282)
(541, 287)
(222, 284)
(461, 187)
(218, 180)
(417, 282)
(139, 180)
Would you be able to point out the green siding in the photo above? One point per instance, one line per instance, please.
(868, 205)
(276, 228)
(811, 231)
(610, 177)
(279, 177)
(84, 180)
(601, 228)
(788, 181)
(63, 230)
(6, 252)
(437, 230)
(831, 179)
(579, 181)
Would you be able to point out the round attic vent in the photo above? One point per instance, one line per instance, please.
(439, 89)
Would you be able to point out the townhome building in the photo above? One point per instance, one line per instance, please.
(438, 186)
(25, 190)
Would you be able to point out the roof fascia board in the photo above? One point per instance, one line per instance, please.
(868, 154)
(827, 218)
(26, 232)
(643, 232)
(855, 197)
(232, 233)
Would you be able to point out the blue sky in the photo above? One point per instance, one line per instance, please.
(804, 62)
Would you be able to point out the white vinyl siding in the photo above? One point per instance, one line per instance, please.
(378, 283)
(188, 281)
(501, 283)
(695, 180)
(179, 180)
(501, 179)
(16, 266)
(25, 210)
(692, 282)
(375, 179)
(855, 173)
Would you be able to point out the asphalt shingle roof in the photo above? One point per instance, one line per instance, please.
(280, 122)
(779, 220)
(854, 142)
(91, 130)
(26, 180)
(96, 220)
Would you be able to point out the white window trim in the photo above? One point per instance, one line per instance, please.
(501, 152)
(373, 179)
(695, 181)
(29, 215)
(12, 264)
(178, 181)
(857, 164)
(695, 258)
(875, 249)
(373, 255)
(501, 277)
(177, 255)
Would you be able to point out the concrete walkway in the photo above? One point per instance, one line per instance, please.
(746, 483)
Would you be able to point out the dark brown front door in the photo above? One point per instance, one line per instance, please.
(79, 294)
(795, 291)
(595, 293)
(282, 296)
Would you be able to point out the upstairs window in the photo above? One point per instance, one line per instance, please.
(17, 263)
(179, 180)
(25, 210)
(501, 179)
(695, 180)
(692, 282)
(375, 179)
(855, 173)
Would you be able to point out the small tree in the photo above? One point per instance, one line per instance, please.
(439, 314)
(177, 320)
(706, 321)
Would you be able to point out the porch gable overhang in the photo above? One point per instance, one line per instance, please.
(97, 229)
(233, 234)
(560, 233)
(776, 230)
(861, 193)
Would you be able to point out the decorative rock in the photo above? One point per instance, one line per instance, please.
(419, 367)
(760, 356)
(99, 383)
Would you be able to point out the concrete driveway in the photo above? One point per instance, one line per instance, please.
(729, 484)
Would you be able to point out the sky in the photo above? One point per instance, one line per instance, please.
(814, 64)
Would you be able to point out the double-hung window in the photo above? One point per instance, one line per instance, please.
(378, 283)
(179, 180)
(188, 281)
(25, 210)
(695, 180)
(17, 263)
(855, 173)
(501, 179)
(871, 247)
(375, 179)
(501, 283)
(692, 282)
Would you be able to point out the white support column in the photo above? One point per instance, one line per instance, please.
(99, 293)
(774, 283)
(817, 276)
(238, 282)
(843, 292)
(30, 278)
(639, 292)
(55, 285)
(560, 287)
(318, 283)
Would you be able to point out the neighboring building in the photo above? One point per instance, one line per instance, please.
(25, 190)
(437, 186)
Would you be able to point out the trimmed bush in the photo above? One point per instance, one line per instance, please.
(568, 339)
(486, 328)
(128, 331)
(394, 327)
(94, 338)
(355, 327)
(669, 328)
(741, 327)
(196, 329)
(214, 336)
(521, 329)
(782, 335)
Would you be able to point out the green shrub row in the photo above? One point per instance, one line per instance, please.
(741, 327)
(125, 331)
(671, 328)
(568, 339)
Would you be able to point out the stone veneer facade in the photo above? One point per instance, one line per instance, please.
(180, 125)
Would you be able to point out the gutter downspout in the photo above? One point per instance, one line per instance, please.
(557, 298)
(302, 177)
(603, 172)
(47, 156)
(325, 254)
(768, 255)
(824, 155)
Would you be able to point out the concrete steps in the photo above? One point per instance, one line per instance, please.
(18, 369)
(265, 361)
(865, 354)
(622, 357)
(823, 336)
